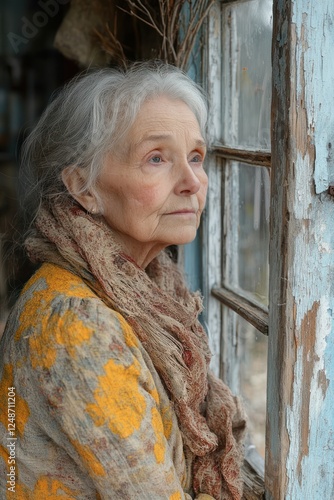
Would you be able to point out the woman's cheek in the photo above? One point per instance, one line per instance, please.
(148, 196)
(202, 196)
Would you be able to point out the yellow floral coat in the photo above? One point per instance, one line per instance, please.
(90, 418)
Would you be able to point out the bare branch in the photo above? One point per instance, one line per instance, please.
(163, 17)
(177, 39)
(111, 45)
(145, 10)
(194, 26)
(134, 14)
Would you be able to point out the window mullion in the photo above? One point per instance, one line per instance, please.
(256, 158)
(252, 313)
(212, 217)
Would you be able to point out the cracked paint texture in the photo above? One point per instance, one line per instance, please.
(310, 417)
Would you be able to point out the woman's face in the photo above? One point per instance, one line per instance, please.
(153, 191)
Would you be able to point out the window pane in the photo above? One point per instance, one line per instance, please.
(247, 74)
(244, 369)
(253, 383)
(247, 199)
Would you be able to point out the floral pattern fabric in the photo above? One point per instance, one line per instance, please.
(92, 418)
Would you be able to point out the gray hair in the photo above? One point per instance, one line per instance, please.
(89, 118)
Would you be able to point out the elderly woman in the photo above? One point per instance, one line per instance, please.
(103, 358)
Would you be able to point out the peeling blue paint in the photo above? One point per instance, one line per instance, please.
(314, 23)
(310, 460)
(300, 452)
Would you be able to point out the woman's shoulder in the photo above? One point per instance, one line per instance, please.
(56, 305)
(53, 291)
(52, 279)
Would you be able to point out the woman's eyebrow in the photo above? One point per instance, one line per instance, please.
(153, 138)
(201, 143)
(160, 137)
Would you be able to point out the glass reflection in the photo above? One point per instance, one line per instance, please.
(247, 74)
(247, 204)
(244, 368)
(253, 383)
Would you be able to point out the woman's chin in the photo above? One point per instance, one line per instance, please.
(187, 236)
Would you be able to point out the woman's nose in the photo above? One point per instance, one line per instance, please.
(188, 182)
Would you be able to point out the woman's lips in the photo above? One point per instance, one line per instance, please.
(183, 211)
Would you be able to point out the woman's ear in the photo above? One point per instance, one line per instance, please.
(74, 181)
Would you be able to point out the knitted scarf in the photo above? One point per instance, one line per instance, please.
(164, 316)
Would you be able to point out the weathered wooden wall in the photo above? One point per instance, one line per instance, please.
(212, 220)
(300, 423)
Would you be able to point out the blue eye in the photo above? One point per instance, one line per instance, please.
(197, 159)
(155, 159)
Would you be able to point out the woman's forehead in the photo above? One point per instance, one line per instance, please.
(162, 114)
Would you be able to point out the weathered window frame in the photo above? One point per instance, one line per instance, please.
(300, 425)
(256, 315)
(216, 295)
